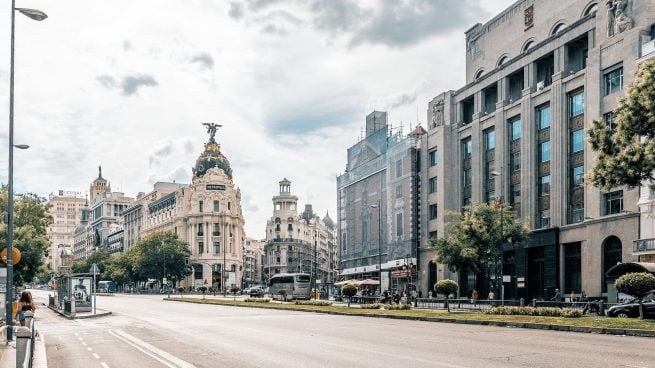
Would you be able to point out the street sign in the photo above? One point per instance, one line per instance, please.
(3, 280)
(94, 269)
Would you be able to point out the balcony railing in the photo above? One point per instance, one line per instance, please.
(643, 246)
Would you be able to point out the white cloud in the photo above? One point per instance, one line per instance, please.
(120, 85)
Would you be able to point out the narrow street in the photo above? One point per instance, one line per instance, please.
(146, 331)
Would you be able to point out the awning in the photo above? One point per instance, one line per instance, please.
(629, 267)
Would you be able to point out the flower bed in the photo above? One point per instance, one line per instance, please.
(319, 303)
(257, 300)
(530, 311)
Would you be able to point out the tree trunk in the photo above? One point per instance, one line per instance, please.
(447, 305)
(641, 309)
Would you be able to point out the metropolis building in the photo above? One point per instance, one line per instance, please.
(537, 75)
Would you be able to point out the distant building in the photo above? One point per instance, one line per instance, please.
(66, 211)
(253, 257)
(378, 209)
(298, 243)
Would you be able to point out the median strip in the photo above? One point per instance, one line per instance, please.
(601, 325)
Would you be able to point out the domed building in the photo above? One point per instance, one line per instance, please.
(206, 215)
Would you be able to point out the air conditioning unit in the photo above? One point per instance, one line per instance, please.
(540, 85)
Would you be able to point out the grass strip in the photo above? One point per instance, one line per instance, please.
(432, 314)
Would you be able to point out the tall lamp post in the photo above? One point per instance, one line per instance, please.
(38, 16)
(379, 241)
(500, 285)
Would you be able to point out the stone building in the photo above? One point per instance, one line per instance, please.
(83, 239)
(378, 208)
(66, 211)
(536, 77)
(298, 243)
(253, 259)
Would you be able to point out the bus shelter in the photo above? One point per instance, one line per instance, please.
(74, 293)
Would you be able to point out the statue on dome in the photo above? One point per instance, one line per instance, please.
(211, 129)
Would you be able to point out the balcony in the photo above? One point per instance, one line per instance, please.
(643, 246)
(200, 233)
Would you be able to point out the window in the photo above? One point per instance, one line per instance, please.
(515, 161)
(466, 178)
(399, 191)
(577, 141)
(433, 211)
(399, 168)
(609, 121)
(200, 230)
(468, 147)
(577, 176)
(217, 229)
(544, 185)
(577, 212)
(515, 194)
(216, 206)
(543, 115)
(613, 81)
(490, 139)
(201, 247)
(544, 152)
(228, 205)
(489, 169)
(613, 202)
(399, 224)
(576, 104)
(432, 185)
(515, 128)
(217, 247)
(200, 205)
(544, 218)
(434, 156)
(433, 235)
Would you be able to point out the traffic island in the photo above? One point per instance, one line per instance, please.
(599, 325)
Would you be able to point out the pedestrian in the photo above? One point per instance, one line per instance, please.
(557, 298)
(474, 296)
(491, 297)
(25, 304)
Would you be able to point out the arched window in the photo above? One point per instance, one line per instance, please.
(612, 254)
(527, 46)
(559, 27)
(591, 8)
(502, 60)
(479, 73)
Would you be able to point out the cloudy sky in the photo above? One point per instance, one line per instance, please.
(126, 84)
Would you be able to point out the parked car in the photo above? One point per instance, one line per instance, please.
(256, 292)
(630, 309)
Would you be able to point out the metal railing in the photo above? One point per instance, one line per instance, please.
(643, 245)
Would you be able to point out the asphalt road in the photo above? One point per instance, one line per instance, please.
(145, 331)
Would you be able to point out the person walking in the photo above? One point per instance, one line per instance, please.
(25, 304)
(557, 298)
(474, 297)
(491, 297)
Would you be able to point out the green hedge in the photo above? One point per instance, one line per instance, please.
(319, 303)
(257, 300)
(385, 306)
(529, 311)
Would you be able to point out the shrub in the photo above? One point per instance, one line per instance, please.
(202, 289)
(530, 311)
(385, 306)
(446, 287)
(257, 300)
(234, 289)
(637, 284)
(319, 303)
(349, 290)
(371, 306)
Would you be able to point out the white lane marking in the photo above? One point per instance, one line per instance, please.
(84, 343)
(89, 349)
(95, 355)
(104, 365)
(79, 338)
(167, 359)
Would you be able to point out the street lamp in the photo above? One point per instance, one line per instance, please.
(499, 260)
(379, 241)
(38, 16)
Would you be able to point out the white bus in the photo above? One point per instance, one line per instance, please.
(296, 285)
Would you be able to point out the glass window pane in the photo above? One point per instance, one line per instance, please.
(544, 117)
(545, 152)
(577, 141)
(577, 104)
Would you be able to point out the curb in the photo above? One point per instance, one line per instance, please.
(102, 314)
(528, 325)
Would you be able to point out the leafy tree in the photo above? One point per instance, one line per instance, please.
(349, 290)
(120, 268)
(626, 147)
(637, 284)
(100, 257)
(31, 219)
(159, 255)
(446, 287)
(472, 238)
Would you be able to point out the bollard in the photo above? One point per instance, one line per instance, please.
(601, 308)
(23, 341)
(28, 318)
(522, 302)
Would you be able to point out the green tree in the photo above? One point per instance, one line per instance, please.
(349, 290)
(472, 238)
(120, 268)
(31, 219)
(626, 144)
(637, 284)
(159, 255)
(100, 257)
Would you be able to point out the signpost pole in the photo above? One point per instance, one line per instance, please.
(94, 268)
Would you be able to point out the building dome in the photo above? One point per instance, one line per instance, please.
(211, 157)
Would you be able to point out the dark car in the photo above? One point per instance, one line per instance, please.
(630, 309)
(256, 292)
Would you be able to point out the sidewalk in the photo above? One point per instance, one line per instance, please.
(82, 315)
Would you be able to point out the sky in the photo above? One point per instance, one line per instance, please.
(127, 84)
